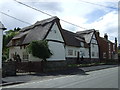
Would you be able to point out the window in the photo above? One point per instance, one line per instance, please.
(93, 53)
(70, 52)
(113, 47)
(75, 53)
(104, 55)
(25, 56)
(15, 42)
(109, 47)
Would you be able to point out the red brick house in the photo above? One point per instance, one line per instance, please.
(108, 49)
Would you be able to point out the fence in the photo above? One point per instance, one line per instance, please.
(29, 66)
(11, 68)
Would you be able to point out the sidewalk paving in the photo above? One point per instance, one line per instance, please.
(23, 78)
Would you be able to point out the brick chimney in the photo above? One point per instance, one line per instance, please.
(106, 36)
(115, 44)
(97, 33)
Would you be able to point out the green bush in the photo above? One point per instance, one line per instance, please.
(40, 49)
(4, 58)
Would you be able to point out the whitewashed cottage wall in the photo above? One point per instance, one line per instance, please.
(82, 51)
(94, 47)
(21, 51)
(56, 47)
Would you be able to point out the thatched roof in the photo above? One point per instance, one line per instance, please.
(36, 31)
(40, 29)
(87, 34)
(72, 39)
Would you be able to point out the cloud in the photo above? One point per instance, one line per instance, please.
(83, 14)
(25, 13)
(107, 24)
(51, 7)
(75, 20)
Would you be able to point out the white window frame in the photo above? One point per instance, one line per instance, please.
(70, 52)
(25, 56)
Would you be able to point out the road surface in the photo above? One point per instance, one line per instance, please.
(105, 78)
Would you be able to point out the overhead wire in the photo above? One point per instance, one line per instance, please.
(48, 14)
(98, 4)
(15, 18)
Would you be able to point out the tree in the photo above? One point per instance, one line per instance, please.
(8, 35)
(40, 49)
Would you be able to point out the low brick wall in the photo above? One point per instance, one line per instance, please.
(81, 61)
(71, 60)
(54, 65)
(94, 60)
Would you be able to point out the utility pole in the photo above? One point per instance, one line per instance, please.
(1, 43)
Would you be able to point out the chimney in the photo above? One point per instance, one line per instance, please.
(115, 44)
(97, 33)
(115, 40)
(106, 36)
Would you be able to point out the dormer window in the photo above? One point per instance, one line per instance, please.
(15, 42)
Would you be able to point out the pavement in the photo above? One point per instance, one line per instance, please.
(30, 77)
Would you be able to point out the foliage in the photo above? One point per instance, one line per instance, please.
(4, 58)
(39, 49)
(8, 35)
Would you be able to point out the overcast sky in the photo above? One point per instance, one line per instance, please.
(84, 14)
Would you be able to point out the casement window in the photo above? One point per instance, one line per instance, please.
(15, 42)
(75, 52)
(114, 47)
(25, 56)
(104, 55)
(109, 47)
(70, 52)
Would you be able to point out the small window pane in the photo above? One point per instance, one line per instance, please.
(70, 52)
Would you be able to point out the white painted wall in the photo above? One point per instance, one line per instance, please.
(94, 48)
(84, 52)
(77, 49)
(55, 34)
(81, 50)
(32, 58)
(57, 50)
(19, 51)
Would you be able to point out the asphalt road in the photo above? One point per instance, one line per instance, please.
(106, 78)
